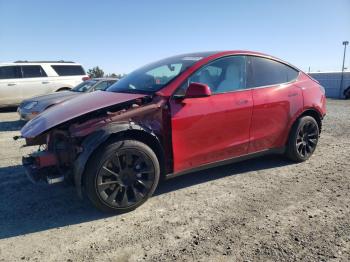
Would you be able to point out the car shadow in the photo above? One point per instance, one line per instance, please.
(15, 125)
(8, 109)
(27, 208)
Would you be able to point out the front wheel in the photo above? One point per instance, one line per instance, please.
(303, 139)
(121, 176)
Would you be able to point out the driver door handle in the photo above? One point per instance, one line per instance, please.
(11, 84)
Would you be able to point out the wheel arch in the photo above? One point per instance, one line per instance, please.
(313, 113)
(307, 112)
(102, 137)
(66, 88)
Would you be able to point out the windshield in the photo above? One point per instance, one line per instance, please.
(84, 86)
(153, 77)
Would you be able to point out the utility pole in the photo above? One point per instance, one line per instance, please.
(345, 43)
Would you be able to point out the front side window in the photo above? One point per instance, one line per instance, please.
(33, 71)
(68, 70)
(10, 72)
(266, 72)
(223, 75)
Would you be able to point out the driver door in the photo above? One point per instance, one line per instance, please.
(214, 128)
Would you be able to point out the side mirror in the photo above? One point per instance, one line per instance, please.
(197, 90)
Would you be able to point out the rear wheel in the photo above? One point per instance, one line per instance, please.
(122, 176)
(303, 139)
(347, 93)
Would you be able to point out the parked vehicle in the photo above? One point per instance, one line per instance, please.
(331, 81)
(172, 117)
(24, 79)
(30, 108)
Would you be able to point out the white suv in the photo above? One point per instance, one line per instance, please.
(24, 79)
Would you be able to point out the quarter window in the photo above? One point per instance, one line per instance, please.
(68, 70)
(223, 75)
(10, 72)
(33, 71)
(265, 72)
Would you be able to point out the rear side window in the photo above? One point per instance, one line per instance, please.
(68, 70)
(265, 72)
(102, 86)
(33, 71)
(10, 72)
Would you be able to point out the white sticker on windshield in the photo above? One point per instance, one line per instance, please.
(192, 58)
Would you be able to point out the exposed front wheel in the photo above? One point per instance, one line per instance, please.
(122, 176)
(303, 139)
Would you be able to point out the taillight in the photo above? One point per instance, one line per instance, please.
(86, 78)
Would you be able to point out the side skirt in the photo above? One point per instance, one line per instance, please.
(228, 161)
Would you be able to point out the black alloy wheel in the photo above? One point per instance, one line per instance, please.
(307, 139)
(125, 178)
(303, 139)
(121, 176)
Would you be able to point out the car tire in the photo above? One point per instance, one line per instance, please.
(347, 93)
(121, 176)
(303, 139)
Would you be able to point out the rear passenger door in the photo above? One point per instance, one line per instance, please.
(276, 100)
(34, 81)
(9, 92)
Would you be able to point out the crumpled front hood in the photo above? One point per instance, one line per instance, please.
(73, 108)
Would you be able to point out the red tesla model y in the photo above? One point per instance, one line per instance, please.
(172, 117)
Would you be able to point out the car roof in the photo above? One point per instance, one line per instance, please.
(20, 63)
(104, 78)
(216, 54)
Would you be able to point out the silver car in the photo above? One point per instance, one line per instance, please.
(30, 108)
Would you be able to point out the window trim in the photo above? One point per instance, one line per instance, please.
(245, 89)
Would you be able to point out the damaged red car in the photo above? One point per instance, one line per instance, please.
(172, 117)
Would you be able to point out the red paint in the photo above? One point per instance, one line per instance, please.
(210, 129)
(198, 90)
(274, 108)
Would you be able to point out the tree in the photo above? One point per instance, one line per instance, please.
(95, 72)
(114, 75)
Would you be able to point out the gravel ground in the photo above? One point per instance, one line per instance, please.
(258, 210)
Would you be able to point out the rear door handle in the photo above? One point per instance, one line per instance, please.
(45, 82)
(242, 102)
(11, 84)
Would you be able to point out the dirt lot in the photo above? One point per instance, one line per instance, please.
(262, 209)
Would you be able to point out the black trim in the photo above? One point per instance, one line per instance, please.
(228, 161)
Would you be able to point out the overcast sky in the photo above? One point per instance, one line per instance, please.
(120, 36)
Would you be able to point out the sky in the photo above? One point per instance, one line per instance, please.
(120, 36)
